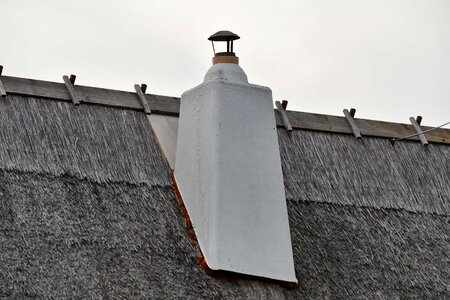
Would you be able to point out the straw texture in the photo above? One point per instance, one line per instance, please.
(368, 220)
(86, 141)
(87, 211)
(337, 168)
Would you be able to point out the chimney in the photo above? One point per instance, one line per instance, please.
(228, 171)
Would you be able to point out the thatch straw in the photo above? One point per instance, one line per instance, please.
(86, 141)
(62, 237)
(337, 168)
(368, 221)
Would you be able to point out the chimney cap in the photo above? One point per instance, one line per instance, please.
(223, 35)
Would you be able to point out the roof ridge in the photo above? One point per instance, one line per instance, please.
(168, 105)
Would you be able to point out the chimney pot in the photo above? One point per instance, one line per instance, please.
(228, 56)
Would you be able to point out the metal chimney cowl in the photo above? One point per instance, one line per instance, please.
(228, 171)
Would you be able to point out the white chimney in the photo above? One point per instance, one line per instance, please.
(228, 171)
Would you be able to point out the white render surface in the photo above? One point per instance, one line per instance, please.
(228, 170)
(166, 131)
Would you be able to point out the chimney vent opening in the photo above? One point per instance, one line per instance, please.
(227, 56)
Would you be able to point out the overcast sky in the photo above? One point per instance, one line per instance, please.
(388, 59)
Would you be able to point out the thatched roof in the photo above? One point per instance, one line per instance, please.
(368, 220)
(87, 210)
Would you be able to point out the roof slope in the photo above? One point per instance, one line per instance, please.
(337, 168)
(93, 217)
(86, 141)
(368, 220)
(87, 210)
(86, 206)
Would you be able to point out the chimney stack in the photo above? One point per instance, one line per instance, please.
(228, 171)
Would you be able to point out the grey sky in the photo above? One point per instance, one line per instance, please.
(388, 59)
